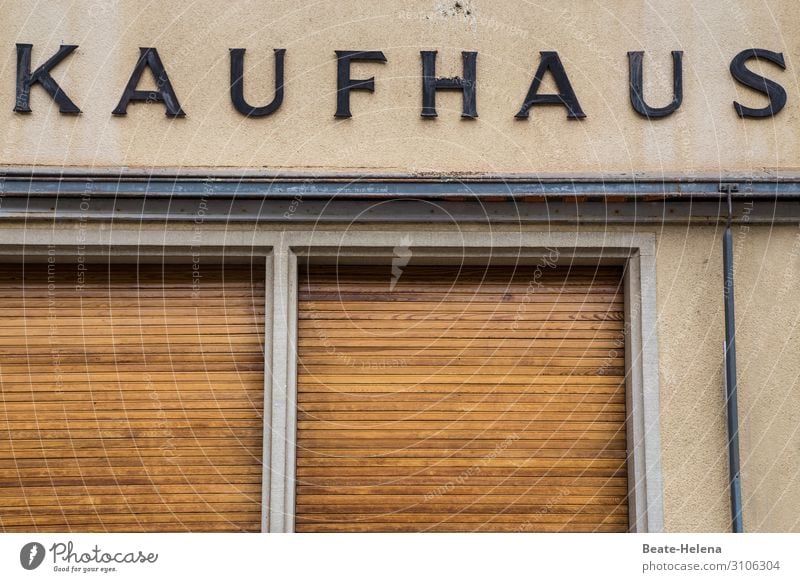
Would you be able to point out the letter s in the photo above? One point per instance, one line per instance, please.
(774, 92)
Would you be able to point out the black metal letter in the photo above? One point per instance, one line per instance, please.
(237, 85)
(430, 84)
(26, 79)
(550, 61)
(774, 92)
(148, 58)
(636, 76)
(344, 84)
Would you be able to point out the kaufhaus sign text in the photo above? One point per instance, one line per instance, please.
(549, 65)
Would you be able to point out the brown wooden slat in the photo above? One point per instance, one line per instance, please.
(133, 403)
(455, 383)
(397, 356)
(460, 508)
(492, 526)
(110, 520)
(148, 528)
(435, 481)
(461, 399)
(453, 296)
(395, 473)
(34, 511)
(490, 416)
(475, 442)
(561, 451)
(160, 458)
(455, 398)
(426, 315)
(154, 472)
(383, 406)
(462, 425)
(94, 481)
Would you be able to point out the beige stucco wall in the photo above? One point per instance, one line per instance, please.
(691, 335)
(387, 132)
(769, 373)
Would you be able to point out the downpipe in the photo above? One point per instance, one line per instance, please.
(731, 387)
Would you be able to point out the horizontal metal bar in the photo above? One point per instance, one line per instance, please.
(199, 210)
(370, 189)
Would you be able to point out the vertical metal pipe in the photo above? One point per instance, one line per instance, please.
(730, 378)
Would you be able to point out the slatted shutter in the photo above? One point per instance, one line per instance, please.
(461, 399)
(133, 403)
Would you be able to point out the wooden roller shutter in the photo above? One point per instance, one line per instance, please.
(471, 399)
(133, 403)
